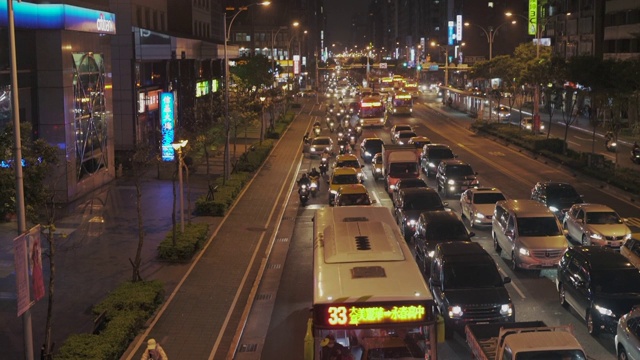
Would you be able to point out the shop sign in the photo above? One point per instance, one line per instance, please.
(167, 106)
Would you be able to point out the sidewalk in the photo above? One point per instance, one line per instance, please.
(96, 237)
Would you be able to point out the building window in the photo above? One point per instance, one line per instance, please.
(138, 16)
(162, 27)
(155, 20)
(147, 18)
(90, 116)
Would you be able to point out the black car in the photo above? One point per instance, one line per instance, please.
(410, 203)
(467, 287)
(600, 284)
(369, 147)
(433, 228)
(557, 196)
(431, 156)
(455, 176)
(407, 183)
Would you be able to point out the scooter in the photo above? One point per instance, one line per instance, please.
(611, 145)
(635, 156)
(332, 126)
(303, 193)
(313, 185)
(316, 130)
(324, 166)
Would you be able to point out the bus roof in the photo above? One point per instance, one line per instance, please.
(360, 255)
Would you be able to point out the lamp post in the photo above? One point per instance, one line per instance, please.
(262, 99)
(227, 126)
(177, 146)
(273, 42)
(490, 33)
(446, 61)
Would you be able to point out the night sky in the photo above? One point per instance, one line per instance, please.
(339, 13)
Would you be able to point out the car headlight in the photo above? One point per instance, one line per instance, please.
(523, 251)
(595, 236)
(455, 312)
(479, 216)
(392, 187)
(506, 310)
(412, 223)
(334, 192)
(605, 311)
(432, 165)
(378, 170)
(541, 127)
(313, 148)
(627, 237)
(400, 142)
(451, 182)
(431, 253)
(366, 153)
(553, 208)
(381, 120)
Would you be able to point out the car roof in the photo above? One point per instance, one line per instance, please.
(321, 138)
(555, 184)
(484, 190)
(353, 189)
(440, 216)
(402, 125)
(417, 190)
(601, 257)
(593, 207)
(438, 146)
(346, 157)
(344, 171)
(373, 139)
(453, 162)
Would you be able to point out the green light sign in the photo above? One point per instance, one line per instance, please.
(533, 17)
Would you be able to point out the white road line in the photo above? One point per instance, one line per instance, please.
(512, 283)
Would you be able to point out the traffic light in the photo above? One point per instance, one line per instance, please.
(404, 64)
(419, 67)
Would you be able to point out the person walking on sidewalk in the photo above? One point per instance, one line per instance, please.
(154, 351)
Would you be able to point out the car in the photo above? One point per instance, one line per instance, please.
(410, 203)
(407, 183)
(503, 112)
(433, 228)
(369, 147)
(377, 167)
(319, 145)
(349, 160)
(349, 195)
(631, 250)
(627, 337)
(399, 127)
(402, 137)
(477, 205)
(419, 142)
(527, 124)
(596, 224)
(339, 177)
(467, 287)
(431, 156)
(599, 284)
(557, 196)
(455, 176)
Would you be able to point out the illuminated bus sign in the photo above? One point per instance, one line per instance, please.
(371, 104)
(167, 122)
(358, 314)
(403, 96)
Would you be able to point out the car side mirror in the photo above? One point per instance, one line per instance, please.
(455, 156)
(435, 282)
(580, 221)
(472, 234)
(565, 232)
(328, 182)
(506, 280)
(508, 233)
(475, 173)
(445, 203)
(374, 201)
(362, 166)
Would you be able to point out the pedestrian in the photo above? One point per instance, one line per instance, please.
(332, 350)
(154, 351)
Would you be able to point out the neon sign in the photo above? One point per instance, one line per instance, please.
(167, 122)
(346, 315)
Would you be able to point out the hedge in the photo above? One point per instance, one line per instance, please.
(187, 244)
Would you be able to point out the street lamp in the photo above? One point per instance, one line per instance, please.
(273, 42)
(177, 146)
(227, 126)
(262, 99)
(490, 33)
(446, 60)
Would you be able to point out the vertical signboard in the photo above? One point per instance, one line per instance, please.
(452, 35)
(27, 257)
(296, 64)
(459, 27)
(533, 17)
(167, 122)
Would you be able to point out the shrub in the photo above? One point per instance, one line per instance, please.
(187, 243)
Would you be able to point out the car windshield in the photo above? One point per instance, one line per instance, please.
(487, 198)
(616, 281)
(441, 153)
(459, 170)
(403, 168)
(446, 231)
(354, 199)
(345, 179)
(562, 192)
(466, 275)
(349, 163)
(373, 146)
(603, 218)
(538, 226)
(378, 160)
(551, 355)
(423, 202)
(322, 141)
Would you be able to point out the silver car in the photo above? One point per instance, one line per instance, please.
(627, 337)
(319, 145)
(595, 224)
(478, 204)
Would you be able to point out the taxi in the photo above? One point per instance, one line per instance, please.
(349, 195)
(349, 161)
(341, 176)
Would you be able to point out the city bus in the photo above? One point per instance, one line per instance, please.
(369, 295)
(401, 103)
(372, 112)
(411, 87)
(385, 85)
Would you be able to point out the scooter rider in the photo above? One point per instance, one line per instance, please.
(304, 180)
(315, 174)
(608, 137)
(305, 139)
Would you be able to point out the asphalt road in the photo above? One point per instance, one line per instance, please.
(513, 171)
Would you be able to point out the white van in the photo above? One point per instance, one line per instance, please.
(529, 233)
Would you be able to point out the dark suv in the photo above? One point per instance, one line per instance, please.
(455, 176)
(557, 196)
(433, 228)
(410, 203)
(369, 147)
(467, 286)
(600, 284)
(405, 184)
(431, 156)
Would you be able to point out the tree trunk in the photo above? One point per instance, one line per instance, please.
(47, 347)
(135, 276)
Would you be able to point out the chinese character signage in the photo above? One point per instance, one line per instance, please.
(452, 35)
(202, 88)
(346, 315)
(459, 27)
(296, 64)
(533, 17)
(167, 106)
(58, 17)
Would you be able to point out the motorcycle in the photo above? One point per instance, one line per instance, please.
(359, 130)
(340, 136)
(611, 145)
(635, 155)
(313, 185)
(324, 166)
(332, 126)
(344, 149)
(303, 193)
(316, 130)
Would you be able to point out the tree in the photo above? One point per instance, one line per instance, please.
(38, 158)
(253, 73)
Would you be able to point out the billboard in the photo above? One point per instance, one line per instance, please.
(533, 17)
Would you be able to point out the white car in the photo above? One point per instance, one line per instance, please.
(397, 128)
(627, 337)
(527, 124)
(478, 204)
(503, 112)
(595, 224)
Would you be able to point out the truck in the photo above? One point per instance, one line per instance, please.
(523, 340)
(399, 162)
